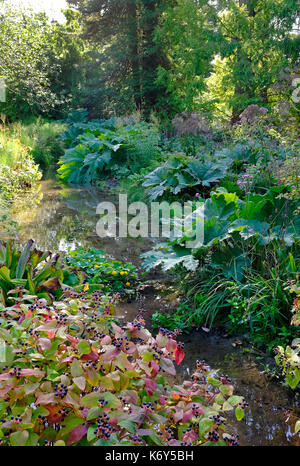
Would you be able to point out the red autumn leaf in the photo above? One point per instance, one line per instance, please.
(29, 314)
(168, 366)
(171, 345)
(162, 400)
(154, 366)
(190, 436)
(132, 348)
(187, 415)
(51, 335)
(77, 434)
(175, 396)
(179, 355)
(5, 390)
(5, 376)
(47, 317)
(110, 354)
(150, 386)
(92, 356)
(72, 339)
(44, 343)
(117, 330)
(174, 443)
(54, 416)
(46, 399)
(178, 415)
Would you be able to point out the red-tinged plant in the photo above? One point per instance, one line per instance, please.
(72, 375)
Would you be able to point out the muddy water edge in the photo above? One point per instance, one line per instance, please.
(58, 218)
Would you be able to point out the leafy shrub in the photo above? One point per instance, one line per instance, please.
(99, 149)
(111, 275)
(31, 272)
(92, 156)
(288, 358)
(236, 235)
(8, 227)
(41, 138)
(180, 173)
(71, 376)
(18, 171)
(289, 174)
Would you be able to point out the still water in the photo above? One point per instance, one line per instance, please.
(58, 218)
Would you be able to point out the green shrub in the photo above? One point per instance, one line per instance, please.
(99, 149)
(181, 173)
(41, 137)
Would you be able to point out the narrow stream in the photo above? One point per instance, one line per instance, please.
(58, 218)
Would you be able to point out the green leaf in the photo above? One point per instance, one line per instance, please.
(84, 348)
(76, 369)
(239, 413)
(128, 425)
(94, 413)
(24, 259)
(80, 382)
(19, 439)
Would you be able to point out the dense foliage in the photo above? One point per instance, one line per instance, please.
(111, 275)
(101, 148)
(71, 376)
(173, 101)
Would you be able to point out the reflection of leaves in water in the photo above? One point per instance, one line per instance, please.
(27, 201)
(58, 219)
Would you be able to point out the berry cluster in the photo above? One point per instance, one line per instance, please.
(213, 436)
(196, 410)
(148, 406)
(18, 419)
(243, 404)
(136, 440)
(91, 364)
(232, 440)
(218, 419)
(62, 319)
(168, 433)
(61, 390)
(103, 403)
(225, 380)
(104, 429)
(16, 372)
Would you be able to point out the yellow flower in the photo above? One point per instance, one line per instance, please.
(114, 272)
(96, 266)
(127, 284)
(86, 287)
(122, 273)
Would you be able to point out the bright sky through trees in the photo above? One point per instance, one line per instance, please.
(51, 7)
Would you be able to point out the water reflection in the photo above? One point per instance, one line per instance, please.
(63, 217)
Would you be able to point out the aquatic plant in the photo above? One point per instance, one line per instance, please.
(111, 275)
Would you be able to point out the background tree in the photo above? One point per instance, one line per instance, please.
(121, 65)
(39, 62)
(254, 48)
